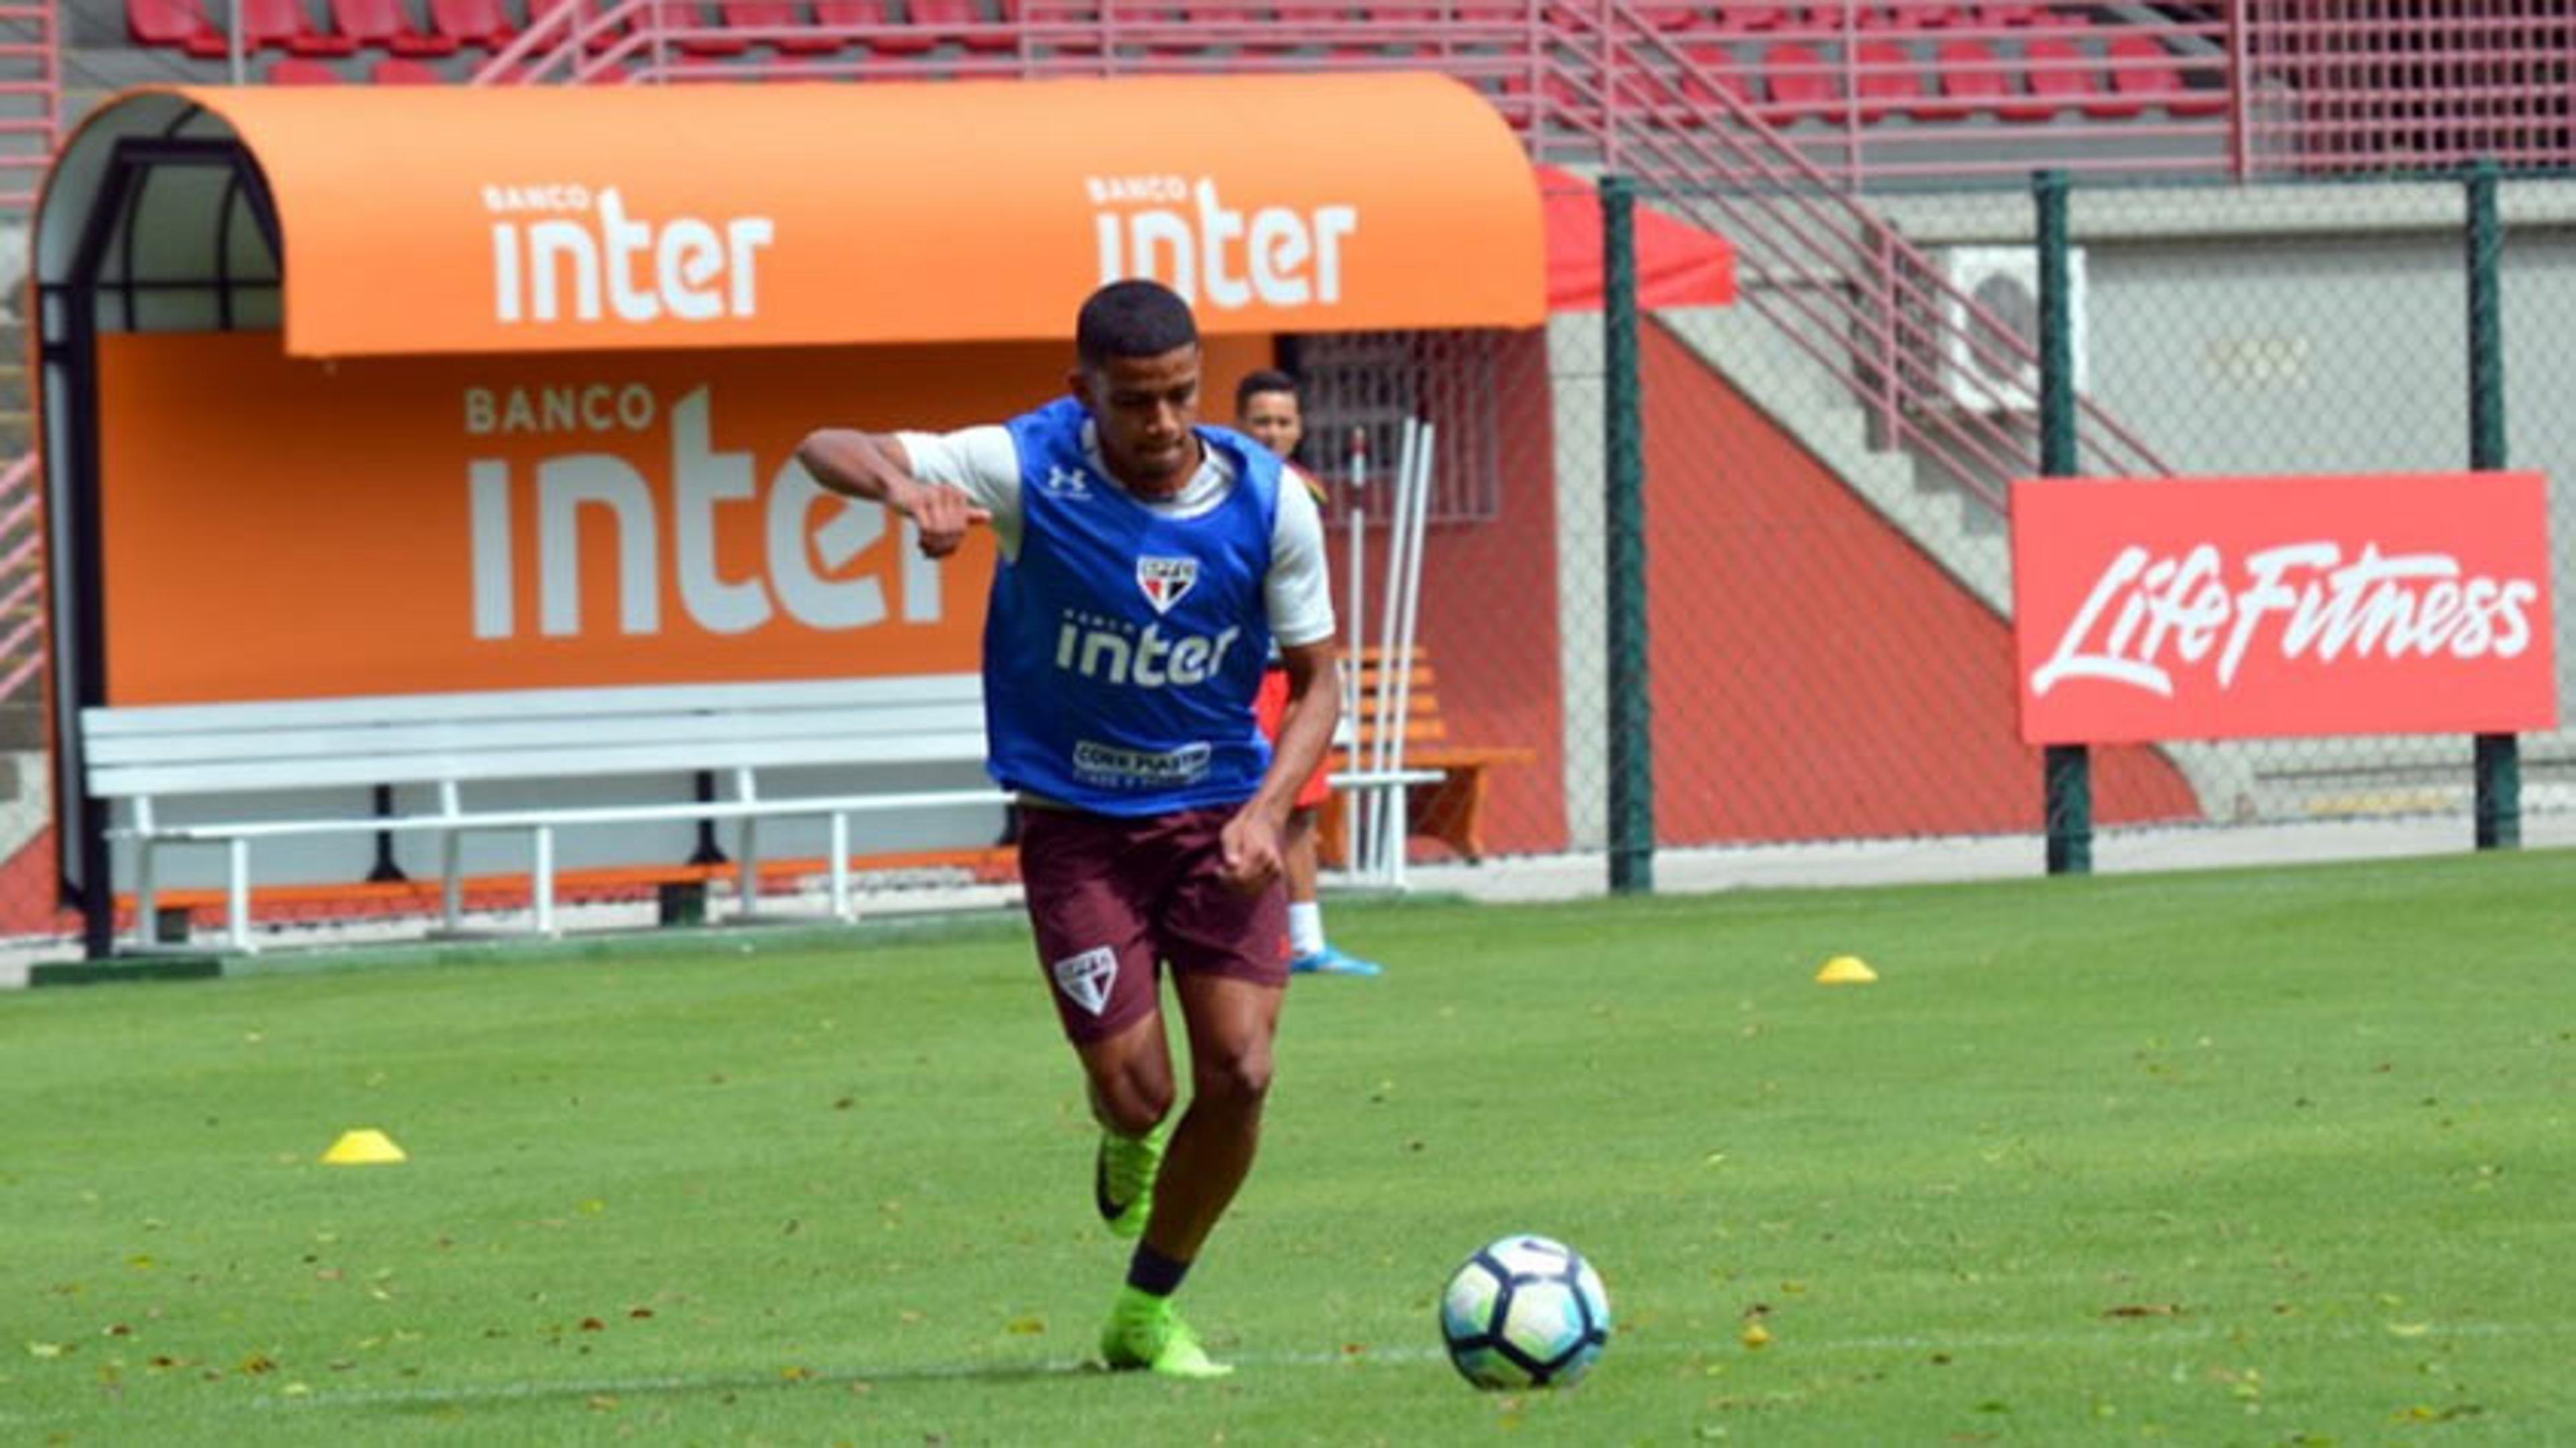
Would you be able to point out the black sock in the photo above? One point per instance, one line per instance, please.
(1154, 1274)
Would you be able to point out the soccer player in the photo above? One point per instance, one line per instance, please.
(1147, 564)
(1268, 406)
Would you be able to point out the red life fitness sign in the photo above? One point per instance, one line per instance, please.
(2212, 608)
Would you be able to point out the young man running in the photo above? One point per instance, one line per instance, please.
(1147, 564)
(1268, 406)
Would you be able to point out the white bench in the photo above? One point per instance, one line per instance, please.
(143, 758)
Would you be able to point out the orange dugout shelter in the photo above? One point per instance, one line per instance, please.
(410, 391)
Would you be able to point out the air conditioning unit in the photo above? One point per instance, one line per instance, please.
(1976, 371)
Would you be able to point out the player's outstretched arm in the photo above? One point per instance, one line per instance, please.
(874, 466)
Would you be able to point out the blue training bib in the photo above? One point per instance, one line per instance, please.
(1122, 648)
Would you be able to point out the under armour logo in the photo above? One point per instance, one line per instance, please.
(1067, 483)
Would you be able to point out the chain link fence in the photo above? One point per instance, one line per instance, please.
(1826, 601)
(2327, 328)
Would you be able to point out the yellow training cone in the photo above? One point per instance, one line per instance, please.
(1846, 970)
(363, 1147)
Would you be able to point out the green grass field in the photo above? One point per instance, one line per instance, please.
(2249, 1157)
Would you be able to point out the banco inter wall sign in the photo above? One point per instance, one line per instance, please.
(2209, 608)
(274, 528)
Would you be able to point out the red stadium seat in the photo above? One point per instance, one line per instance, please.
(169, 22)
(1738, 15)
(777, 15)
(274, 25)
(1921, 15)
(295, 70)
(1410, 17)
(1695, 99)
(900, 37)
(1971, 81)
(2007, 14)
(1798, 85)
(386, 25)
(1674, 15)
(2143, 73)
(703, 37)
(1886, 79)
(962, 22)
(2060, 77)
(482, 24)
(399, 70)
(873, 15)
(584, 21)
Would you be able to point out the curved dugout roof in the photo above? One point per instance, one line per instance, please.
(542, 218)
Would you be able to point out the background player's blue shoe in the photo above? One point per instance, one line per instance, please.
(1332, 961)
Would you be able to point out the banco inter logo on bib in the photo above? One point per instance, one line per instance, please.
(1116, 651)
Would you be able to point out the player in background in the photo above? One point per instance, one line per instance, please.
(1147, 565)
(1268, 405)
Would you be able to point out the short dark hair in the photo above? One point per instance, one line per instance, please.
(1268, 379)
(1134, 318)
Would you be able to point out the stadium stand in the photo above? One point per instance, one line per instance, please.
(384, 25)
(481, 24)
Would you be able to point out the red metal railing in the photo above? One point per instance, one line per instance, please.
(1591, 81)
(22, 579)
(1868, 94)
(31, 100)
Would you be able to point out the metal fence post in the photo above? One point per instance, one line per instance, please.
(2066, 769)
(2498, 756)
(1631, 743)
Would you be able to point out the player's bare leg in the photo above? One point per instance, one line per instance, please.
(1231, 1023)
(1308, 951)
(1130, 1080)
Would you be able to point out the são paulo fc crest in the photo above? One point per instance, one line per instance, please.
(1165, 580)
(1085, 979)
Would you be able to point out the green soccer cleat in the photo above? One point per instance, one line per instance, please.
(1122, 1178)
(1144, 1332)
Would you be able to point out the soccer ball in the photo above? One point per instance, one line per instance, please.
(1525, 1312)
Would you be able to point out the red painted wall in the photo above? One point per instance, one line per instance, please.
(1815, 675)
(1489, 615)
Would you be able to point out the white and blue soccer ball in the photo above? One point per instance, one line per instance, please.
(1525, 1312)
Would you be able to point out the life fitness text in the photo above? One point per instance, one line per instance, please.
(2215, 608)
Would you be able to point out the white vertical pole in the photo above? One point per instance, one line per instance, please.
(1410, 561)
(1355, 820)
(1388, 818)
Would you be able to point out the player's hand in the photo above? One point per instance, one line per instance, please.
(1248, 850)
(942, 516)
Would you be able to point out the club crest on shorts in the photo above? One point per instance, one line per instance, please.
(1165, 580)
(1085, 979)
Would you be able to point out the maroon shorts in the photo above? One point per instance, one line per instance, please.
(1112, 899)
